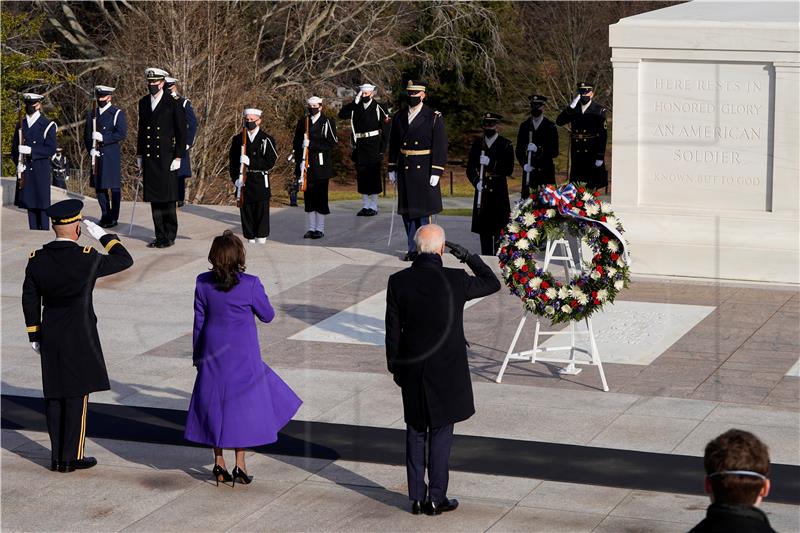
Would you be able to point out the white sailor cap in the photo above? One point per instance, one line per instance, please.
(252, 111)
(104, 90)
(169, 82)
(155, 74)
(366, 87)
(314, 100)
(32, 97)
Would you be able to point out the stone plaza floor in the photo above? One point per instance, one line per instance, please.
(685, 360)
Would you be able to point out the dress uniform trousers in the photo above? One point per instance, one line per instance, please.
(255, 220)
(165, 220)
(66, 424)
(438, 440)
(110, 213)
(411, 226)
(37, 219)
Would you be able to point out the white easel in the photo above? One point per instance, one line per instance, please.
(530, 355)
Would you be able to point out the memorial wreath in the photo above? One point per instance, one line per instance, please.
(552, 214)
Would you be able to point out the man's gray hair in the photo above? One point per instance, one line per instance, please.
(429, 239)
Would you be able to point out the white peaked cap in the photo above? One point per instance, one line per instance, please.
(155, 73)
(366, 87)
(314, 100)
(32, 97)
(104, 89)
(252, 111)
(170, 80)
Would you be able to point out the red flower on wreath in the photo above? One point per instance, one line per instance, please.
(596, 301)
(596, 194)
(614, 257)
(581, 190)
(523, 234)
(604, 239)
(573, 304)
(524, 280)
(525, 267)
(599, 269)
(545, 285)
(545, 298)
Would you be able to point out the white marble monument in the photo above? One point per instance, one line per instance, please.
(706, 139)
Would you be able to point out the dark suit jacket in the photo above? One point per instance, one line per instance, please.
(425, 345)
(161, 138)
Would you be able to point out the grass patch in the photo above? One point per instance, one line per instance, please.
(457, 212)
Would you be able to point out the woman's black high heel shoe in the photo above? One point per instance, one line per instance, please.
(220, 474)
(239, 474)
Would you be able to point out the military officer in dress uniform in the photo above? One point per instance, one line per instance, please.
(494, 155)
(417, 156)
(254, 188)
(369, 123)
(191, 131)
(107, 130)
(320, 139)
(160, 147)
(32, 155)
(60, 278)
(537, 142)
(60, 166)
(588, 136)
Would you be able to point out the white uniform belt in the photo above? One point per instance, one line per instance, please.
(372, 133)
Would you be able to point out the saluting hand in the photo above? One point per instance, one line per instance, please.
(460, 253)
(94, 230)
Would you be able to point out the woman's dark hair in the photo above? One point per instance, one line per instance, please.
(227, 260)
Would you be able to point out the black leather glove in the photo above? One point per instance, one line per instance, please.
(460, 253)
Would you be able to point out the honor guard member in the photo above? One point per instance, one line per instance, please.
(537, 139)
(417, 156)
(62, 327)
(320, 143)
(588, 136)
(106, 131)
(32, 156)
(369, 123)
(496, 155)
(259, 158)
(61, 168)
(160, 146)
(191, 131)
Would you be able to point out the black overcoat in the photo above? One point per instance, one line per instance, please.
(161, 138)
(57, 303)
(545, 137)
(425, 344)
(495, 206)
(588, 137)
(370, 132)
(322, 141)
(263, 153)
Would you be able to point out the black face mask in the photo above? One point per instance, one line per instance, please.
(30, 108)
(489, 132)
(250, 125)
(585, 99)
(313, 111)
(365, 99)
(153, 89)
(414, 101)
(536, 111)
(101, 103)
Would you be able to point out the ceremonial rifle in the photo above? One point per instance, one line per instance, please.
(480, 176)
(242, 169)
(20, 156)
(304, 162)
(526, 176)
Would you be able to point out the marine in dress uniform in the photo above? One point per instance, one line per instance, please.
(321, 142)
(369, 123)
(37, 148)
(260, 156)
(62, 327)
(111, 129)
(539, 137)
(417, 156)
(495, 154)
(61, 168)
(160, 146)
(588, 137)
(191, 132)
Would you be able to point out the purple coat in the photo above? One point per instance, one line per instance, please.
(237, 401)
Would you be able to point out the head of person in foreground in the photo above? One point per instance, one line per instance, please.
(737, 465)
(430, 239)
(227, 258)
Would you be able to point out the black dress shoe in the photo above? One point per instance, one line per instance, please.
(370, 213)
(80, 464)
(165, 244)
(53, 466)
(154, 244)
(363, 212)
(181, 204)
(317, 235)
(431, 508)
(309, 235)
(112, 224)
(416, 507)
(410, 256)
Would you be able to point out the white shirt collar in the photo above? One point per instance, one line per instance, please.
(315, 118)
(414, 111)
(66, 240)
(155, 99)
(490, 140)
(536, 121)
(584, 106)
(367, 104)
(104, 108)
(252, 134)
(32, 118)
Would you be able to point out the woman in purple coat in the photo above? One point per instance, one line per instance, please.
(238, 401)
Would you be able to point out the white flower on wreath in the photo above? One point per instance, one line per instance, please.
(518, 262)
(592, 209)
(619, 284)
(566, 309)
(606, 208)
(549, 310)
(602, 295)
(613, 245)
(532, 234)
(610, 271)
(506, 271)
(621, 262)
(595, 274)
(523, 244)
(513, 227)
(550, 213)
(529, 219)
(575, 292)
(563, 292)
(594, 232)
(582, 299)
(586, 197)
(612, 221)
(551, 293)
(535, 283)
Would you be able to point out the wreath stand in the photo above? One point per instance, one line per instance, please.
(531, 355)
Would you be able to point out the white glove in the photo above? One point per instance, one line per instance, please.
(244, 160)
(188, 146)
(393, 176)
(358, 97)
(479, 186)
(306, 143)
(434, 180)
(532, 147)
(35, 346)
(93, 229)
(24, 149)
(484, 161)
(238, 183)
(139, 162)
(94, 153)
(22, 168)
(527, 168)
(598, 163)
(575, 101)
(175, 165)
(97, 136)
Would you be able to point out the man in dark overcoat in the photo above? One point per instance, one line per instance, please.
(495, 155)
(160, 146)
(537, 141)
(417, 156)
(587, 139)
(62, 326)
(427, 356)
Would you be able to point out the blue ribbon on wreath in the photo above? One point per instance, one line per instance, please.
(560, 197)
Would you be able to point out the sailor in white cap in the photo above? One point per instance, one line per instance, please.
(249, 168)
(314, 140)
(191, 131)
(160, 146)
(33, 147)
(106, 127)
(369, 123)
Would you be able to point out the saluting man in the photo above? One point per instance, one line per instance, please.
(537, 139)
(417, 156)
(37, 148)
(495, 154)
(160, 146)
(369, 123)
(259, 158)
(191, 131)
(320, 143)
(109, 128)
(60, 278)
(588, 137)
